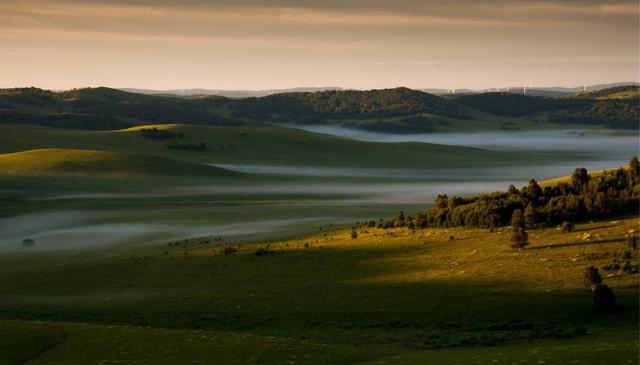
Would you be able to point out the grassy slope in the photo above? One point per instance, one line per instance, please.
(88, 162)
(262, 145)
(386, 296)
(567, 179)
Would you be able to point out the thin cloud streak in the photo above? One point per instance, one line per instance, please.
(350, 43)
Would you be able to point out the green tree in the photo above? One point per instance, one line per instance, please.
(634, 170)
(519, 236)
(442, 200)
(533, 191)
(531, 215)
(580, 179)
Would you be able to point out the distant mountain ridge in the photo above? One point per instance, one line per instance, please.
(397, 110)
(551, 91)
(227, 93)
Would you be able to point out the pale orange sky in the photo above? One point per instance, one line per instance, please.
(262, 44)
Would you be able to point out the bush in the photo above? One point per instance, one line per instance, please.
(568, 227)
(603, 298)
(591, 278)
(519, 237)
(28, 242)
(354, 234)
(264, 251)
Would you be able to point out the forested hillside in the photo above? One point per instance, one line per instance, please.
(103, 108)
(398, 110)
(580, 197)
(617, 107)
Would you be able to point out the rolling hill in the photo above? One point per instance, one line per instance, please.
(398, 110)
(88, 162)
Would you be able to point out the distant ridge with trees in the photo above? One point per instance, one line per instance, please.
(397, 110)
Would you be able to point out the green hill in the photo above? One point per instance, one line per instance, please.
(617, 107)
(343, 104)
(104, 108)
(261, 145)
(72, 161)
(618, 92)
(399, 110)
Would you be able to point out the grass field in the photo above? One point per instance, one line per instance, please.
(88, 162)
(440, 296)
(264, 145)
(129, 262)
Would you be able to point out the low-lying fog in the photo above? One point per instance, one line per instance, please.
(86, 229)
(574, 140)
(316, 196)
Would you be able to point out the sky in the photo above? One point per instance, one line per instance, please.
(362, 44)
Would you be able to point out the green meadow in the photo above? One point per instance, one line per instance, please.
(145, 254)
(396, 296)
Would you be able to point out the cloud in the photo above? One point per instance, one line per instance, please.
(319, 41)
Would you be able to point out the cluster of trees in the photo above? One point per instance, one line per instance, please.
(347, 104)
(616, 107)
(104, 108)
(583, 197)
(159, 134)
(197, 147)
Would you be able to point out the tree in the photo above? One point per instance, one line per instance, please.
(442, 200)
(519, 237)
(603, 298)
(591, 278)
(512, 191)
(533, 191)
(531, 215)
(580, 179)
(634, 170)
(567, 227)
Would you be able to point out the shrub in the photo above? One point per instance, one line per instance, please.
(264, 251)
(591, 277)
(354, 234)
(519, 237)
(568, 227)
(28, 242)
(603, 298)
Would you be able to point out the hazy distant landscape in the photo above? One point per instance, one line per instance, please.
(319, 182)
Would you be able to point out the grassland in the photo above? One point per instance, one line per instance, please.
(395, 297)
(312, 296)
(264, 145)
(83, 162)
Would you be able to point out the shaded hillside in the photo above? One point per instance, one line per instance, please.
(617, 107)
(517, 105)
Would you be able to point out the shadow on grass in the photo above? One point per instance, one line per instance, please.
(323, 294)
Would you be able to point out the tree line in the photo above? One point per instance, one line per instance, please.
(583, 197)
